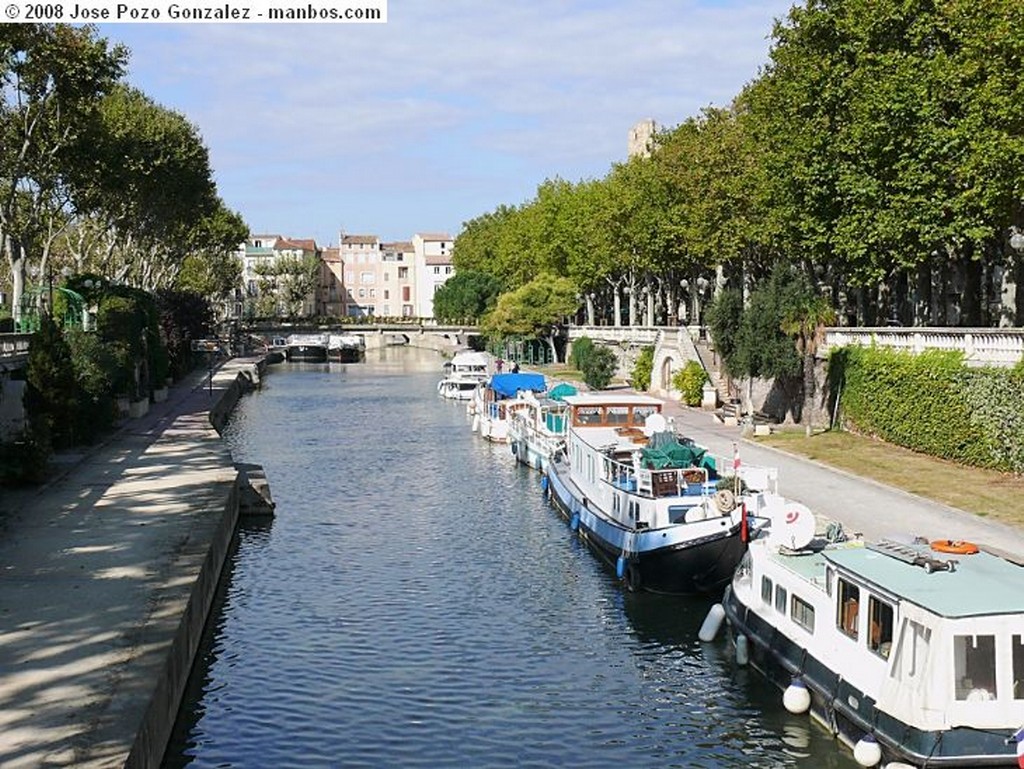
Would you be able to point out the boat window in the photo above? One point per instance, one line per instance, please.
(767, 589)
(587, 415)
(781, 599)
(880, 617)
(1018, 667)
(640, 414)
(848, 619)
(677, 513)
(803, 614)
(974, 663)
(617, 415)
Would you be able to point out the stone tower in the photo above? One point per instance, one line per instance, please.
(640, 136)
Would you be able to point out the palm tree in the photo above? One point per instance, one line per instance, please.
(805, 320)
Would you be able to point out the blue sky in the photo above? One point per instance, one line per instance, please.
(448, 110)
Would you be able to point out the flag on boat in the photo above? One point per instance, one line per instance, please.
(1019, 736)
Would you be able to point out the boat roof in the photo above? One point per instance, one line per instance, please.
(509, 384)
(470, 358)
(612, 399)
(981, 584)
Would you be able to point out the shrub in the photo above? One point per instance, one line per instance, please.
(599, 367)
(643, 368)
(689, 381)
(582, 349)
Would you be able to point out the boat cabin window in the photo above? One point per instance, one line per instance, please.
(848, 620)
(781, 599)
(640, 414)
(880, 616)
(1018, 667)
(974, 663)
(802, 614)
(767, 589)
(617, 415)
(587, 415)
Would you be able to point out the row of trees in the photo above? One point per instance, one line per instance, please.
(96, 177)
(879, 153)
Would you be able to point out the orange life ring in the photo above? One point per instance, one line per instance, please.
(957, 546)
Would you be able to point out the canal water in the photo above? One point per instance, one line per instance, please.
(417, 603)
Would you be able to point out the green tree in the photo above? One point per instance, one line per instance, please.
(466, 296)
(804, 318)
(52, 78)
(537, 310)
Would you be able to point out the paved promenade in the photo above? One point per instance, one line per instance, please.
(860, 504)
(97, 574)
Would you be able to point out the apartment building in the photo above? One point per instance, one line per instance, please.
(433, 255)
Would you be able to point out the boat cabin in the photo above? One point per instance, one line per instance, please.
(936, 639)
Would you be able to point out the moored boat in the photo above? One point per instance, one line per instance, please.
(307, 348)
(649, 503)
(463, 373)
(911, 652)
(536, 430)
(346, 348)
(495, 400)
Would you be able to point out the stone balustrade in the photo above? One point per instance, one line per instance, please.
(981, 346)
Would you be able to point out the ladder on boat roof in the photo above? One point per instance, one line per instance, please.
(912, 555)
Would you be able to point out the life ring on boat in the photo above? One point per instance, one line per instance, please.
(955, 546)
(631, 577)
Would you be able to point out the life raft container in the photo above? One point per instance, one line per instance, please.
(955, 546)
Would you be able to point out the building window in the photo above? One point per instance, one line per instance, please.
(387, 294)
(406, 294)
(403, 273)
(362, 293)
(373, 293)
(448, 270)
(387, 277)
(366, 277)
(803, 614)
(437, 270)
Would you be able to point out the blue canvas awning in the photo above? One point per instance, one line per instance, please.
(507, 385)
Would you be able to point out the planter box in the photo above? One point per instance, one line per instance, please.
(160, 395)
(138, 408)
(123, 404)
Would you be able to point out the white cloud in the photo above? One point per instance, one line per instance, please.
(473, 103)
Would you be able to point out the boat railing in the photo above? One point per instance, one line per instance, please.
(654, 483)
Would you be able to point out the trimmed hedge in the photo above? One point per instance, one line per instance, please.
(933, 403)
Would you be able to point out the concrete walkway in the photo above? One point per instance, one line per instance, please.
(97, 574)
(860, 504)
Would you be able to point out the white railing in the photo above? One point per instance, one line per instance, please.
(642, 335)
(980, 346)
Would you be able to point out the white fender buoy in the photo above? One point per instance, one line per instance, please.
(797, 698)
(899, 765)
(742, 650)
(867, 751)
(476, 423)
(712, 623)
